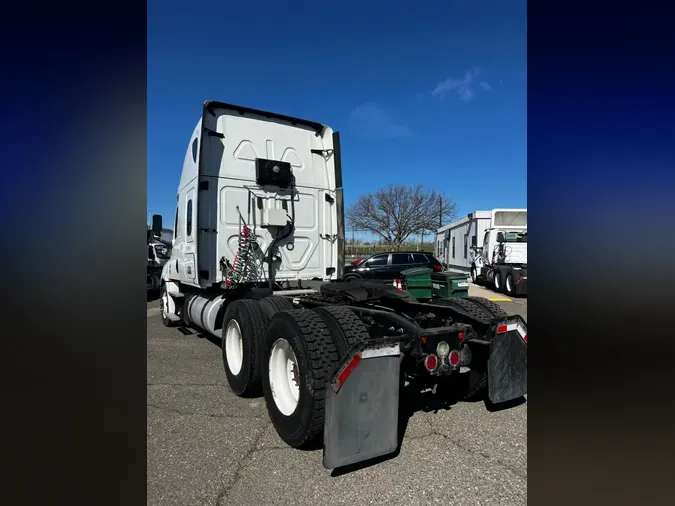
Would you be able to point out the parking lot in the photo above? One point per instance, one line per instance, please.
(206, 446)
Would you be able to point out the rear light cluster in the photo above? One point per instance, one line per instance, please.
(443, 352)
(438, 268)
(358, 261)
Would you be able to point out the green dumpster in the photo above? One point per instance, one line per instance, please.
(445, 285)
(417, 282)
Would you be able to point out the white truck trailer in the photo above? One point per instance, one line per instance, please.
(260, 206)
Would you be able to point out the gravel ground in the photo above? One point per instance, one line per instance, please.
(208, 447)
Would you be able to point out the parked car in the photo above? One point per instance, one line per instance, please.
(387, 267)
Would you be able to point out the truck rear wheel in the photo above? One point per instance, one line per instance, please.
(243, 332)
(492, 307)
(510, 285)
(469, 306)
(275, 304)
(497, 281)
(346, 328)
(299, 357)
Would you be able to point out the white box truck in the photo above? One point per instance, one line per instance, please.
(259, 206)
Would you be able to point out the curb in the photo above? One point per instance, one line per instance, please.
(500, 299)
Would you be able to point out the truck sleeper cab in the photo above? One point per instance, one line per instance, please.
(228, 181)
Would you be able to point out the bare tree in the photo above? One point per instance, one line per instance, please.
(398, 211)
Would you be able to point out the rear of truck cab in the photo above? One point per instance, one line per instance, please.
(221, 189)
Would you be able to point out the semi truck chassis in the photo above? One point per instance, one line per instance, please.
(330, 363)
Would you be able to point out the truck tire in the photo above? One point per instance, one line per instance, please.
(243, 332)
(275, 304)
(497, 281)
(510, 284)
(474, 275)
(474, 309)
(493, 308)
(346, 328)
(163, 300)
(299, 357)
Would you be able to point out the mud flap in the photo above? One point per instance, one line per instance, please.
(362, 407)
(507, 364)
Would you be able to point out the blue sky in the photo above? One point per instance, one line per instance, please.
(432, 92)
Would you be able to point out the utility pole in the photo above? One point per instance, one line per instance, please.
(440, 212)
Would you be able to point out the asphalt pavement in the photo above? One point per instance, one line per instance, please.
(206, 446)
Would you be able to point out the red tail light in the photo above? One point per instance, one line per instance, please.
(502, 329)
(454, 358)
(358, 261)
(438, 268)
(431, 362)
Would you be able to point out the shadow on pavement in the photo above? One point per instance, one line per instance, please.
(414, 398)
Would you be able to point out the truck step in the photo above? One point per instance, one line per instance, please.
(172, 317)
(176, 295)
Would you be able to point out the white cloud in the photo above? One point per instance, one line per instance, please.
(464, 87)
(370, 120)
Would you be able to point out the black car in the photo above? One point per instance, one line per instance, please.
(387, 267)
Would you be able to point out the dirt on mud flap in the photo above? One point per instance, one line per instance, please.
(362, 405)
(507, 363)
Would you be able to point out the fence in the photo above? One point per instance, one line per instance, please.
(362, 250)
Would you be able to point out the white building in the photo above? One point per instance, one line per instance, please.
(454, 240)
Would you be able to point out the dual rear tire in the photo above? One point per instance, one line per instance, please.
(504, 282)
(289, 355)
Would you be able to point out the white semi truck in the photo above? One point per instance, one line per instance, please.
(259, 211)
(501, 260)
